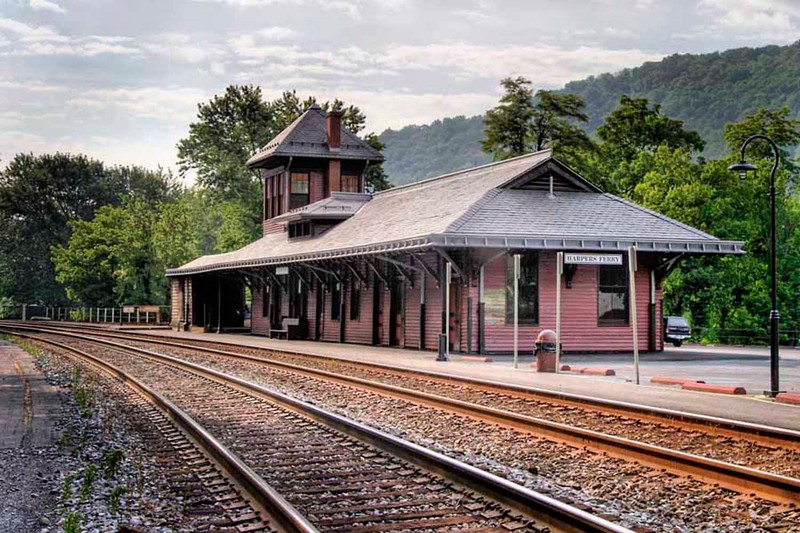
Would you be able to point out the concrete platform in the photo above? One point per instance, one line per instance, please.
(751, 408)
(29, 406)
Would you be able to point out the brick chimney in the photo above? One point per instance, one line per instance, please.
(334, 129)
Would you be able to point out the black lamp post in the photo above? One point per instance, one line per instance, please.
(743, 167)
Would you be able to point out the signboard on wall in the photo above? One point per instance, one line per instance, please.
(495, 306)
(129, 309)
(593, 259)
(282, 271)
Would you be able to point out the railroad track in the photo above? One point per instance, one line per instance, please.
(736, 443)
(339, 474)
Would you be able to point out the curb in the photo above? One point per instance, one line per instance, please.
(589, 371)
(719, 389)
(792, 398)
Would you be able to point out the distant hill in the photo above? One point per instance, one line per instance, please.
(706, 91)
(417, 152)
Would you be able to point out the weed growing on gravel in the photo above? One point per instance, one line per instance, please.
(114, 498)
(66, 490)
(72, 523)
(89, 477)
(111, 462)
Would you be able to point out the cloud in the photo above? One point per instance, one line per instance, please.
(45, 5)
(350, 8)
(544, 64)
(25, 39)
(162, 104)
(747, 20)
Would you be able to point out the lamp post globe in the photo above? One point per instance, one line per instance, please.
(743, 167)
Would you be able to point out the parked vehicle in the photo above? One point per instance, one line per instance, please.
(676, 330)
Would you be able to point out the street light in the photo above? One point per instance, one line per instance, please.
(743, 167)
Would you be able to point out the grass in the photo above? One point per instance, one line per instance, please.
(111, 462)
(89, 477)
(72, 523)
(114, 499)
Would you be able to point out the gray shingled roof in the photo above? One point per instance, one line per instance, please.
(472, 208)
(576, 214)
(337, 206)
(307, 137)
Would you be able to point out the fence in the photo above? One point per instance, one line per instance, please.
(149, 314)
(744, 337)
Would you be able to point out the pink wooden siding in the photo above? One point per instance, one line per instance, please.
(579, 328)
(359, 331)
(412, 313)
(433, 314)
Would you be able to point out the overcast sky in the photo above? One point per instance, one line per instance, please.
(120, 79)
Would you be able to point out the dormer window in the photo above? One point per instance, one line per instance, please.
(299, 229)
(299, 190)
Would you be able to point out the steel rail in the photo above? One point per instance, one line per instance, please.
(743, 429)
(736, 477)
(544, 508)
(257, 490)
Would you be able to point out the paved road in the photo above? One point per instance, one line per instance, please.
(730, 365)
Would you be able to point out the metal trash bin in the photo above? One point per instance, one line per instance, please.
(545, 351)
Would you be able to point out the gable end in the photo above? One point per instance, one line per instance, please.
(564, 179)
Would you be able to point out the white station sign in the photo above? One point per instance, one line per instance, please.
(282, 271)
(593, 259)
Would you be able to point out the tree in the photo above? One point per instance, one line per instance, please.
(775, 124)
(229, 130)
(109, 261)
(636, 127)
(521, 124)
(553, 122)
(507, 126)
(629, 137)
(39, 196)
(375, 177)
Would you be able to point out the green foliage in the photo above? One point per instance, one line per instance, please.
(114, 499)
(728, 293)
(73, 522)
(109, 260)
(89, 478)
(521, 124)
(508, 126)
(111, 461)
(706, 91)
(636, 127)
(775, 124)
(414, 153)
(40, 196)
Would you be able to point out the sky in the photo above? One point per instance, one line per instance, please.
(120, 80)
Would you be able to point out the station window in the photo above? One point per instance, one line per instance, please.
(612, 296)
(350, 183)
(355, 298)
(299, 190)
(299, 229)
(528, 289)
(273, 196)
(336, 301)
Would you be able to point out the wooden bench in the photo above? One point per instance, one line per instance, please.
(284, 331)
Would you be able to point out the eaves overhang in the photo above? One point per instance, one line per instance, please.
(677, 246)
(445, 240)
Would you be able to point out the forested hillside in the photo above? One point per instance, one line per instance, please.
(705, 91)
(417, 152)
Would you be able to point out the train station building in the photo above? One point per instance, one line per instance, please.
(402, 266)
